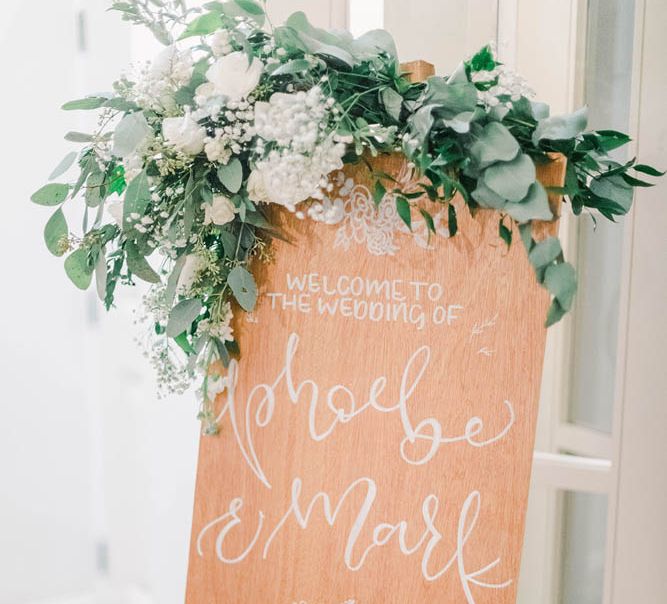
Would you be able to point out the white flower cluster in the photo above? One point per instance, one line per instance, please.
(155, 87)
(302, 150)
(173, 377)
(510, 84)
(233, 136)
(220, 328)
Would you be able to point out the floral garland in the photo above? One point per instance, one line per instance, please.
(234, 115)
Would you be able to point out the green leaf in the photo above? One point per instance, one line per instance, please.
(92, 102)
(545, 252)
(94, 189)
(182, 316)
(130, 133)
(291, 67)
(203, 25)
(611, 139)
(404, 210)
(650, 170)
(54, 232)
(50, 195)
(138, 265)
(78, 137)
(250, 6)
(511, 180)
(561, 127)
(561, 280)
(243, 286)
(172, 280)
(64, 165)
(319, 41)
(535, 206)
(555, 314)
(137, 197)
(184, 343)
(451, 98)
(505, 233)
(78, 269)
(428, 219)
(495, 143)
(393, 102)
(452, 221)
(613, 188)
(231, 175)
(379, 191)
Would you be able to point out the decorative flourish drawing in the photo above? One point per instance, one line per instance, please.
(363, 222)
(479, 328)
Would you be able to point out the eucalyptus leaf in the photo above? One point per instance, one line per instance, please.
(182, 316)
(50, 195)
(561, 127)
(78, 269)
(393, 102)
(130, 133)
(231, 175)
(291, 67)
(64, 165)
(561, 280)
(494, 143)
(535, 206)
(203, 25)
(94, 189)
(451, 98)
(172, 281)
(545, 252)
(555, 314)
(615, 189)
(79, 137)
(137, 197)
(92, 102)
(243, 286)
(101, 276)
(511, 180)
(250, 6)
(55, 231)
(487, 198)
(138, 265)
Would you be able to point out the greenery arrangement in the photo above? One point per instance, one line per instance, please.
(236, 114)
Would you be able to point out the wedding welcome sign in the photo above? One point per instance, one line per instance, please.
(376, 440)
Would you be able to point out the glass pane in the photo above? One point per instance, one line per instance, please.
(607, 92)
(564, 548)
(583, 548)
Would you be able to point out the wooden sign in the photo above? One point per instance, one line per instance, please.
(377, 434)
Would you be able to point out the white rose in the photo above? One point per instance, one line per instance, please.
(220, 211)
(191, 268)
(184, 134)
(256, 187)
(233, 77)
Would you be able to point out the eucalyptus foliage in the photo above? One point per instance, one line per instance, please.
(184, 164)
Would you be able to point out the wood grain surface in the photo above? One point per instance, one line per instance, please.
(378, 458)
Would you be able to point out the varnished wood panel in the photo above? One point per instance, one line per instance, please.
(377, 426)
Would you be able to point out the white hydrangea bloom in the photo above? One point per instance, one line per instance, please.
(289, 177)
(298, 123)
